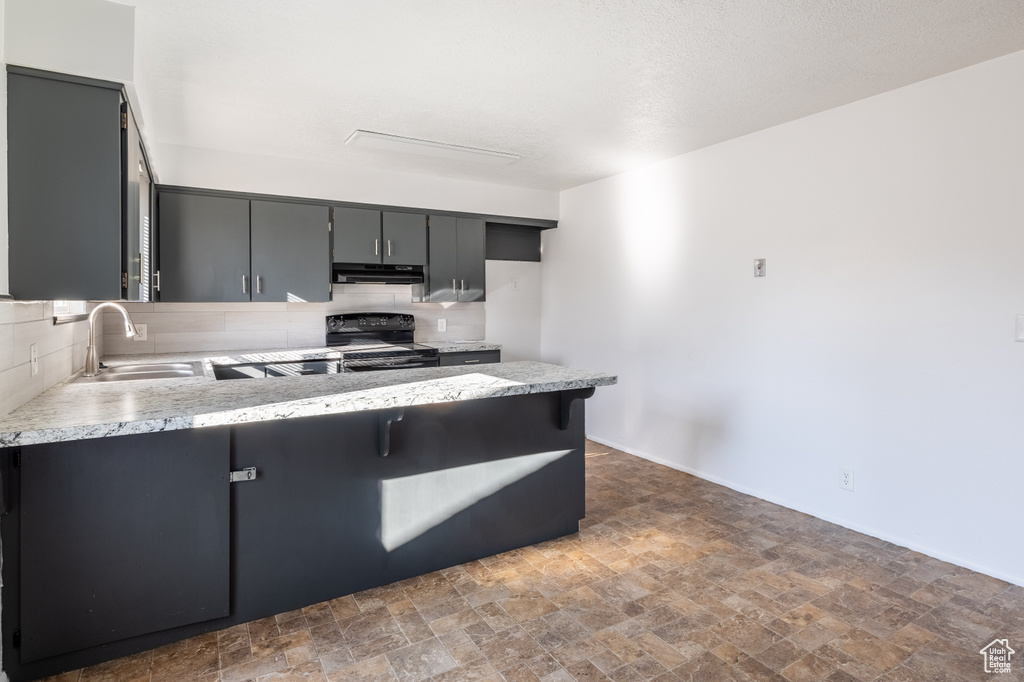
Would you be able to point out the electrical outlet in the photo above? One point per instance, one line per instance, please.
(140, 333)
(33, 359)
(759, 267)
(442, 324)
(515, 283)
(846, 479)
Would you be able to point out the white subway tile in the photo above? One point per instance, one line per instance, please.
(305, 338)
(119, 344)
(22, 311)
(197, 341)
(56, 367)
(193, 321)
(241, 306)
(277, 320)
(18, 386)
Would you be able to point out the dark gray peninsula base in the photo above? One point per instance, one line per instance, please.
(120, 544)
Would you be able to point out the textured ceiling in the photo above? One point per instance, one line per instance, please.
(580, 89)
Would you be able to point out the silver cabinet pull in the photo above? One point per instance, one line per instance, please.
(156, 281)
(247, 474)
(463, 286)
(470, 362)
(259, 284)
(389, 247)
(376, 247)
(454, 290)
(245, 284)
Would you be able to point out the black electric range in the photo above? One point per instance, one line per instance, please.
(375, 341)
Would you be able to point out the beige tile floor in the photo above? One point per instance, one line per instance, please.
(670, 578)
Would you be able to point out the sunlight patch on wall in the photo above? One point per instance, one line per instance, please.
(651, 234)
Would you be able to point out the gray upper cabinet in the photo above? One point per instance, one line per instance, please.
(204, 248)
(64, 187)
(404, 238)
(289, 252)
(356, 235)
(369, 236)
(216, 248)
(457, 250)
(472, 252)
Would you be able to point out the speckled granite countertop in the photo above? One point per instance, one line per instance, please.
(75, 411)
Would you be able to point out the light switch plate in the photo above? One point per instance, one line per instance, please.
(760, 266)
(442, 324)
(33, 359)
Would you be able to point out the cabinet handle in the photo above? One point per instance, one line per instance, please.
(245, 284)
(259, 284)
(454, 290)
(463, 286)
(470, 362)
(389, 247)
(376, 247)
(156, 281)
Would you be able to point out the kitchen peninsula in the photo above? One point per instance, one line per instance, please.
(143, 512)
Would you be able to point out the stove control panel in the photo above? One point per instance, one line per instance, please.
(350, 323)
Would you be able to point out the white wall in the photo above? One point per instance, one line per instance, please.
(513, 310)
(882, 338)
(192, 167)
(89, 38)
(5, 280)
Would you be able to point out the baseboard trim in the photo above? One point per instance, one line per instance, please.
(875, 533)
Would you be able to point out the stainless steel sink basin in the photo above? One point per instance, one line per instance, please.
(160, 367)
(167, 370)
(132, 376)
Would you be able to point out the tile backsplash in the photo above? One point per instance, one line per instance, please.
(60, 349)
(179, 327)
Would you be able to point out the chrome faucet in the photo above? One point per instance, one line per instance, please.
(92, 363)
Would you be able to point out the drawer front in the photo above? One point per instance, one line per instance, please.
(470, 358)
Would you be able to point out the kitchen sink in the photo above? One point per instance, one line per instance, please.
(161, 367)
(168, 370)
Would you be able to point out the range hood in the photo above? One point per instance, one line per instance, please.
(360, 273)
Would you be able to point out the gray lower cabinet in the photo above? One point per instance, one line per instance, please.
(217, 248)
(481, 357)
(456, 264)
(117, 545)
(368, 236)
(119, 537)
(64, 182)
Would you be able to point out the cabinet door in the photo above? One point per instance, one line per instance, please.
(290, 252)
(356, 235)
(307, 528)
(121, 537)
(405, 238)
(204, 248)
(443, 277)
(471, 255)
(64, 182)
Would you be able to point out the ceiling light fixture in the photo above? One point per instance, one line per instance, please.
(409, 145)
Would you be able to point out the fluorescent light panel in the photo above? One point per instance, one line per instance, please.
(395, 143)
